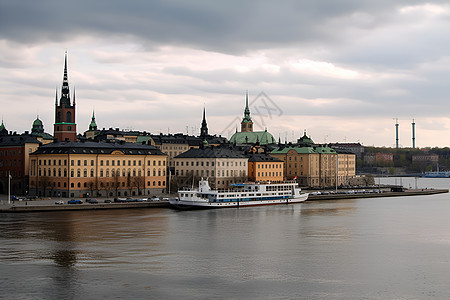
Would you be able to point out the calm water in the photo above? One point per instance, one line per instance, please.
(386, 248)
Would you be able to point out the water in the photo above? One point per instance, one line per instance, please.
(383, 248)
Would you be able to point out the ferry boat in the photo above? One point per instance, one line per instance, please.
(438, 174)
(240, 194)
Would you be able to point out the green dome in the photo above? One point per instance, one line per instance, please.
(261, 137)
(37, 122)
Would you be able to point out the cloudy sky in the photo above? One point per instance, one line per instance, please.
(341, 70)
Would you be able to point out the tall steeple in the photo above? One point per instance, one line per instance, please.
(204, 128)
(65, 128)
(65, 93)
(247, 123)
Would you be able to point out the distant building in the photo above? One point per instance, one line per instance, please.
(247, 135)
(425, 158)
(81, 169)
(379, 159)
(355, 148)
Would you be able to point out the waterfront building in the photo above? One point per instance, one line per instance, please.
(221, 165)
(77, 169)
(65, 128)
(247, 135)
(263, 167)
(14, 160)
(315, 166)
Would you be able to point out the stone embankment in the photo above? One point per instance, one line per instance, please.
(40, 206)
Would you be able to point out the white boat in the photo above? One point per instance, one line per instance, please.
(241, 194)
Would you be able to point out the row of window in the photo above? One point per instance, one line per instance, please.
(107, 173)
(201, 163)
(13, 173)
(268, 166)
(268, 174)
(10, 152)
(225, 173)
(85, 162)
(90, 184)
(10, 163)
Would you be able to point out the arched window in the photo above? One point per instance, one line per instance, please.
(58, 118)
(69, 117)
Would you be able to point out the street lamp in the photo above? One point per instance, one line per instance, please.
(9, 187)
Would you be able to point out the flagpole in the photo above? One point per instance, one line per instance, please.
(9, 188)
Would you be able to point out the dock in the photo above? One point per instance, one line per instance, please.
(39, 206)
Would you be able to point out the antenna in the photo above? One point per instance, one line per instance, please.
(413, 134)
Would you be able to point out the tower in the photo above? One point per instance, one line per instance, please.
(93, 125)
(413, 134)
(204, 128)
(247, 123)
(65, 128)
(396, 133)
(37, 127)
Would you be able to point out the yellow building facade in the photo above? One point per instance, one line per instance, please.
(316, 166)
(77, 169)
(263, 167)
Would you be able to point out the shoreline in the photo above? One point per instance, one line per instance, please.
(48, 206)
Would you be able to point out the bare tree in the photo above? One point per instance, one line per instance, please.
(138, 182)
(44, 182)
(116, 181)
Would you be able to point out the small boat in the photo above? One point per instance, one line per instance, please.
(240, 194)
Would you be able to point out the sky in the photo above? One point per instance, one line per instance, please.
(343, 71)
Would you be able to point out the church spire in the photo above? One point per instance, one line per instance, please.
(204, 128)
(93, 125)
(247, 123)
(65, 94)
(246, 110)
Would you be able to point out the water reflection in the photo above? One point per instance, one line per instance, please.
(88, 237)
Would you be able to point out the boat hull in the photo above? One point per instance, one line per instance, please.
(184, 204)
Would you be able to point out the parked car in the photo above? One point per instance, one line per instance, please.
(120, 200)
(154, 198)
(59, 202)
(142, 199)
(75, 201)
(92, 201)
(107, 201)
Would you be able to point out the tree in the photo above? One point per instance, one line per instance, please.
(138, 182)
